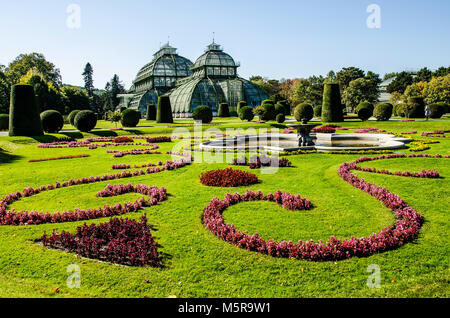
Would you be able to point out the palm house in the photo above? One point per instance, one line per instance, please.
(156, 78)
(211, 80)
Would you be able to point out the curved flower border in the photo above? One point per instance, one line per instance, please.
(405, 230)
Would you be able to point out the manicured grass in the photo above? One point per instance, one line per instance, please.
(198, 264)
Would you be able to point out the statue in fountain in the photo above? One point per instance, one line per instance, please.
(303, 133)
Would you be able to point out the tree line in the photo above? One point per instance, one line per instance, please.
(51, 93)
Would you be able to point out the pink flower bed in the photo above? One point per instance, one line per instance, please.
(134, 152)
(13, 217)
(58, 158)
(328, 129)
(228, 178)
(262, 161)
(152, 140)
(435, 134)
(405, 230)
(121, 241)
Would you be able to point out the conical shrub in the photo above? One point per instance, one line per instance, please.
(164, 111)
(331, 105)
(151, 112)
(24, 117)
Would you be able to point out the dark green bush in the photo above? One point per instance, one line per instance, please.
(234, 114)
(4, 122)
(364, 105)
(203, 113)
(280, 109)
(130, 118)
(52, 121)
(383, 111)
(365, 113)
(281, 118)
(416, 107)
(241, 104)
(401, 110)
(24, 119)
(85, 120)
(332, 105)
(122, 109)
(437, 110)
(286, 105)
(304, 111)
(72, 115)
(164, 110)
(270, 112)
(151, 112)
(224, 110)
(267, 101)
(246, 113)
(318, 111)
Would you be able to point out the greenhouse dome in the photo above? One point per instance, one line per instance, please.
(156, 78)
(214, 81)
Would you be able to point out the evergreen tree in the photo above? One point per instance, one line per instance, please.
(116, 88)
(88, 79)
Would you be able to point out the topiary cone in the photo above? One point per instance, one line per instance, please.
(331, 105)
(164, 111)
(151, 112)
(24, 117)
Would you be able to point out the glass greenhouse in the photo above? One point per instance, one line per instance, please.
(212, 80)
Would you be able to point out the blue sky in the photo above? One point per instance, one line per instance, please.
(275, 39)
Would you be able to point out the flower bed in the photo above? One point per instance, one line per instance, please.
(122, 139)
(58, 158)
(134, 152)
(121, 241)
(13, 217)
(152, 140)
(405, 230)
(435, 134)
(262, 161)
(328, 129)
(228, 178)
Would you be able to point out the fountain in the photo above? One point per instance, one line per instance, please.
(304, 133)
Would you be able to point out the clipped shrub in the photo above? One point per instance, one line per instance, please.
(364, 105)
(383, 111)
(303, 111)
(246, 113)
(267, 102)
(240, 105)
(24, 119)
(52, 121)
(416, 107)
(281, 109)
(164, 110)
(151, 112)
(85, 120)
(286, 105)
(437, 110)
(270, 112)
(234, 114)
(364, 114)
(318, 111)
(203, 113)
(224, 110)
(4, 122)
(281, 118)
(130, 118)
(72, 115)
(401, 109)
(331, 105)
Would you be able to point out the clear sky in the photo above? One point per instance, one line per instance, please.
(275, 39)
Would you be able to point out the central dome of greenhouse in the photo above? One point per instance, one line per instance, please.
(214, 81)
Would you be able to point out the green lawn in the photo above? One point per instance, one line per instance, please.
(198, 264)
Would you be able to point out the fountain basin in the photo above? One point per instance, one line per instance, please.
(323, 142)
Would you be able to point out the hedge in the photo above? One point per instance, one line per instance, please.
(281, 118)
(318, 111)
(241, 104)
(416, 107)
(85, 120)
(130, 118)
(52, 121)
(72, 115)
(331, 105)
(164, 110)
(203, 113)
(437, 110)
(24, 119)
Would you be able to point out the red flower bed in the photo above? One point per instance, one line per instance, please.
(405, 230)
(328, 129)
(262, 161)
(228, 178)
(120, 241)
(58, 158)
(122, 139)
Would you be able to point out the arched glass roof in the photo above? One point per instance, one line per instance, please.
(214, 56)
